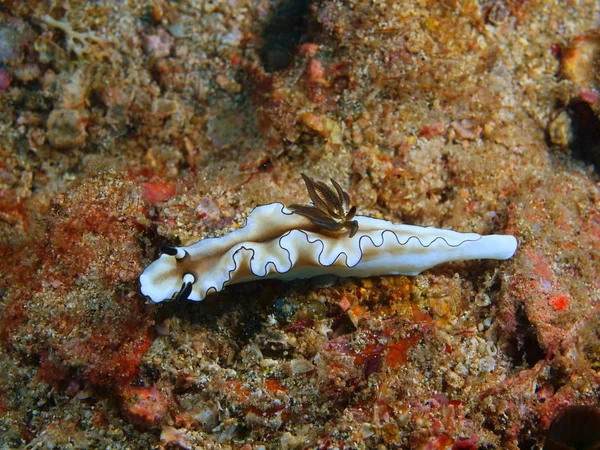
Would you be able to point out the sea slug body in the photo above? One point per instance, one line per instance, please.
(277, 243)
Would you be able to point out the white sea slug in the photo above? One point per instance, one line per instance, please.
(306, 241)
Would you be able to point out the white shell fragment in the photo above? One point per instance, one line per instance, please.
(275, 243)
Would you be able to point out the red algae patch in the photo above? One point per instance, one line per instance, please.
(53, 373)
(73, 310)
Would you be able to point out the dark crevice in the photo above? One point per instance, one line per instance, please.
(152, 243)
(585, 126)
(576, 427)
(288, 26)
(525, 348)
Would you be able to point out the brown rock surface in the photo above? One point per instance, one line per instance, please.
(186, 115)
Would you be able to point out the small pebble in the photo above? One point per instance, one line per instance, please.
(65, 128)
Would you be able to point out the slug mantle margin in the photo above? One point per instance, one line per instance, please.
(278, 244)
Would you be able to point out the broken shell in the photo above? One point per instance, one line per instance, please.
(560, 130)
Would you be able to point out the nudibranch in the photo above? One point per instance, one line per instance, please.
(306, 241)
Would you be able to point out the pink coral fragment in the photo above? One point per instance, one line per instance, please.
(344, 304)
(145, 406)
(158, 192)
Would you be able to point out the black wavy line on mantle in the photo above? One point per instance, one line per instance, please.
(216, 289)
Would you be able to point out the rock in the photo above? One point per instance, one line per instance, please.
(65, 128)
